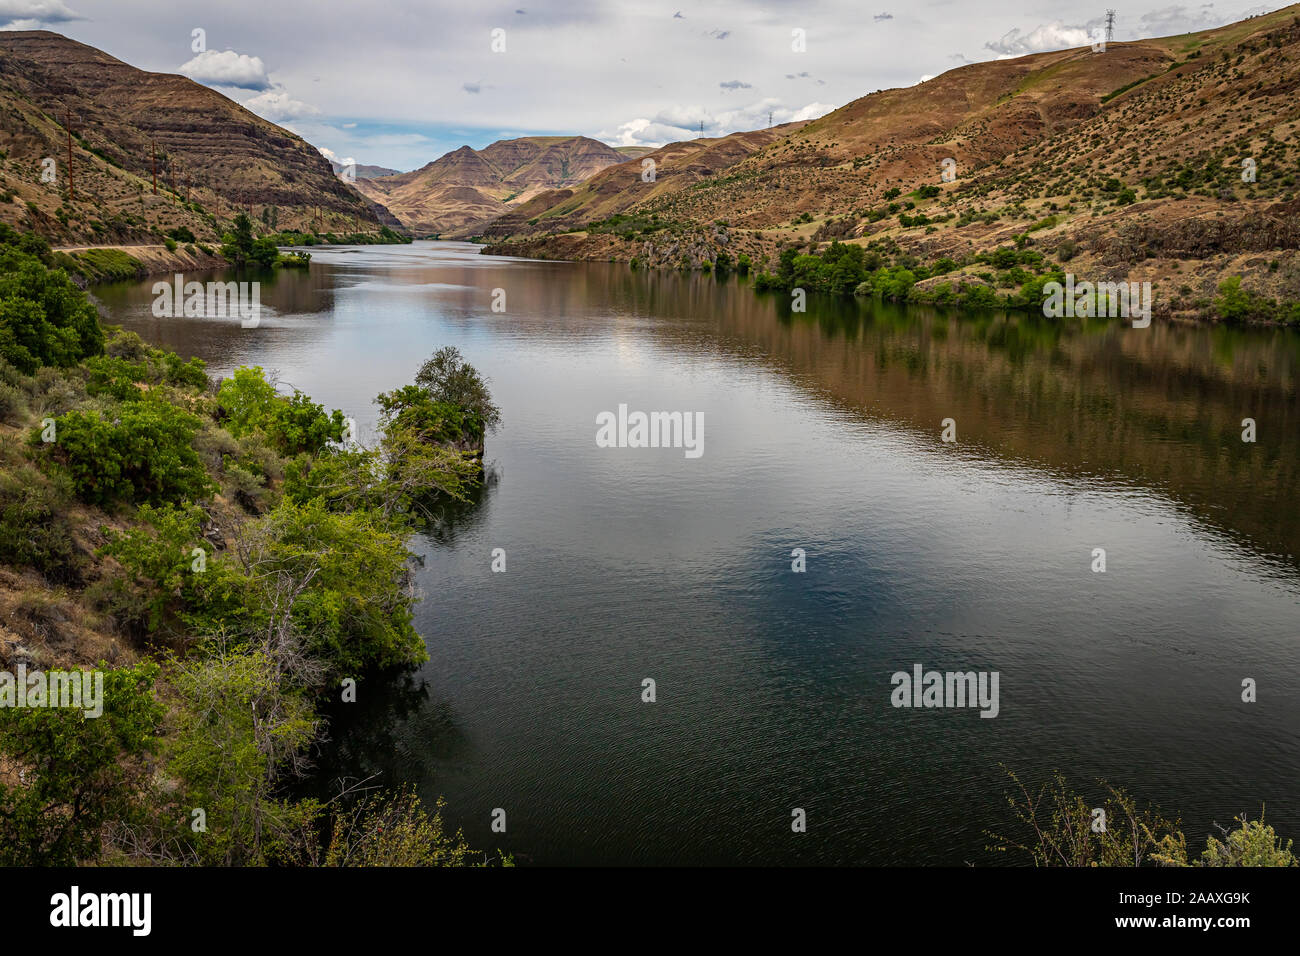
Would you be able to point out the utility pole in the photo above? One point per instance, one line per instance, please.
(1110, 25)
(67, 122)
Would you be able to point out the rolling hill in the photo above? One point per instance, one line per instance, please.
(1129, 158)
(213, 157)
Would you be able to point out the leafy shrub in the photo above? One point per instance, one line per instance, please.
(1056, 827)
(79, 773)
(145, 455)
(44, 318)
(1235, 304)
(157, 555)
(291, 425)
(1253, 843)
(393, 829)
(237, 724)
(12, 403)
(116, 377)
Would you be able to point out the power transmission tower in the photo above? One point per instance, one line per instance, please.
(1110, 25)
(155, 166)
(701, 136)
(769, 119)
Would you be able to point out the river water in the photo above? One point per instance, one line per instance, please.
(822, 432)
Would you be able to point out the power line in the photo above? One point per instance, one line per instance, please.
(67, 115)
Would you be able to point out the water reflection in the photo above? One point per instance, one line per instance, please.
(822, 433)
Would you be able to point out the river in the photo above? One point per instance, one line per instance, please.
(822, 432)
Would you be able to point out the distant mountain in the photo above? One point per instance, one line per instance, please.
(362, 171)
(679, 168)
(458, 193)
(213, 157)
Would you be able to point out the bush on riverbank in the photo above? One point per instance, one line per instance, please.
(384, 237)
(847, 269)
(44, 318)
(1059, 827)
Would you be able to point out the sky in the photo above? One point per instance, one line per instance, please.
(398, 83)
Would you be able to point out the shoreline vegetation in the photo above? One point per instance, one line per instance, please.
(1009, 277)
(228, 559)
(180, 252)
(1057, 826)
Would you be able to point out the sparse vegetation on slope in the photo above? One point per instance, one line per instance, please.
(1171, 161)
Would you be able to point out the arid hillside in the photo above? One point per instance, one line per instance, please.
(457, 193)
(677, 169)
(1169, 160)
(212, 157)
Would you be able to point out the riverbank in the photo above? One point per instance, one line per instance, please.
(90, 264)
(1262, 284)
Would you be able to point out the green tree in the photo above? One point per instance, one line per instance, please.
(237, 245)
(292, 425)
(1233, 303)
(264, 252)
(447, 377)
(343, 577)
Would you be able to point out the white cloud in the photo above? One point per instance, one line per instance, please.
(680, 121)
(30, 14)
(810, 112)
(1048, 36)
(1175, 19)
(227, 68)
(278, 106)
